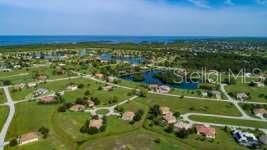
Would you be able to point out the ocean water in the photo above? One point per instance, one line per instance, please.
(26, 40)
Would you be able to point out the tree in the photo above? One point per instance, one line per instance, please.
(44, 131)
(13, 142)
(80, 86)
(265, 81)
(177, 114)
(87, 92)
(6, 82)
(138, 115)
(62, 108)
(182, 133)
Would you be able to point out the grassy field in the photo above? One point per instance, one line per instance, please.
(254, 91)
(184, 105)
(70, 96)
(2, 96)
(30, 117)
(3, 115)
(255, 124)
(139, 139)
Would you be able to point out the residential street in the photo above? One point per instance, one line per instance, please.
(11, 114)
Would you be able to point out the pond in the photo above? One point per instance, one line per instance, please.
(134, 60)
(150, 79)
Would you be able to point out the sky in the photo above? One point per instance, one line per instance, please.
(134, 17)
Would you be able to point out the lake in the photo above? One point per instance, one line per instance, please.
(150, 79)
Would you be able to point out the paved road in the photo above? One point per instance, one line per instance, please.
(244, 114)
(187, 115)
(111, 109)
(11, 114)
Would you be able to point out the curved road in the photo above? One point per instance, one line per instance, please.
(11, 114)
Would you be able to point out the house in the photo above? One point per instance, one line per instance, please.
(263, 139)
(111, 79)
(241, 96)
(31, 84)
(47, 99)
(108, 88)
(245, 138)
(204, 93)
(99, 75)
(215, 93)
(164, 89)
(153, 87)
(28, 138)
(96, 123)
(164, 110)
(206, 131)
(167, 115)
(128, 116)
(182, 125)
(19, 86)
(77, 107)
(260, 112)
(90, 103)
(259, 84)
(40, 91)
(41, 77)
(72, 87)
(169, 118)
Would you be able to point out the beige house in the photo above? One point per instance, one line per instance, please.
(260, 112)
(99, 75)
(108, 88)
(167, 115)
(96, 123)
(164, 110)
(28, 138)
(128, 115)
(77, 108)
(47, 99)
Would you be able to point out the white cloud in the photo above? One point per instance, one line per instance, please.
(229, 2)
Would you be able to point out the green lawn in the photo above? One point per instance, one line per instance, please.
(254, 91)
(255, 124)
(30, 117)
(3, 115)
(139, 139)
(2, 96)
(184, 105)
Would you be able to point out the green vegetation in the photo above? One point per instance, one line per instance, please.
(3, 115)
(184, 105)
(2, 96)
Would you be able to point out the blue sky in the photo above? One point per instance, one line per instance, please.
(134, 17)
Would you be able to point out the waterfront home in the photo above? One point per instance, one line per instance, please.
(164, 89)
(245, 138)
(241, 96)
(96, 123)
(28, 138)
(204, 93)
(128, 116)
(179, 125)
(206, 131)
(77, 107)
